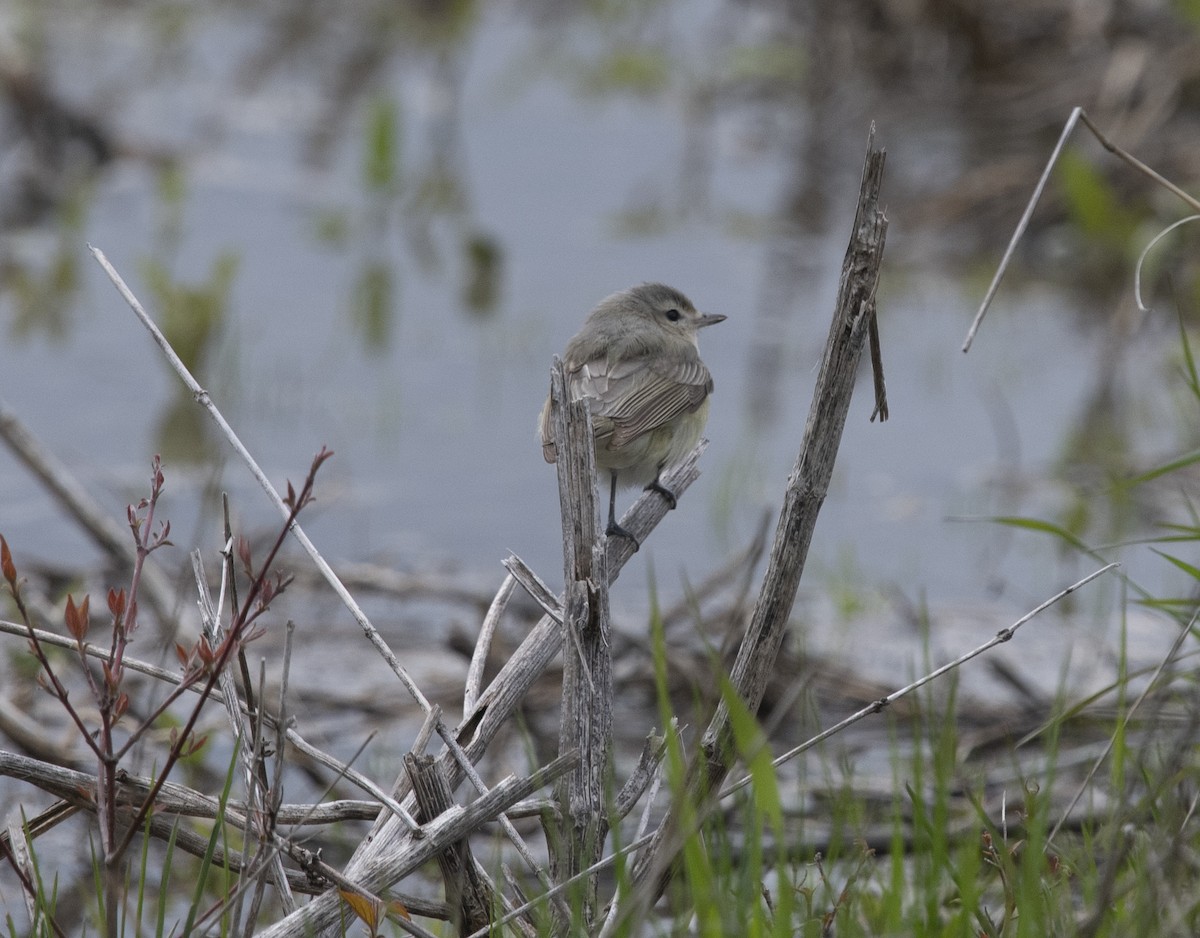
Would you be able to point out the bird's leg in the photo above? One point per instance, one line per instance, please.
(662, 490)
(613, 527)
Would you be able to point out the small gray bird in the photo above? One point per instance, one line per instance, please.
(637, 362)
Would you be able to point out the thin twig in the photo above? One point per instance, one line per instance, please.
(884, 702)
(1170, 656)
(1021, 226)
(535, 586)
(483, 645)
(1078, 115)
(79, 503)
(202, 397)
(249, 753)
(1131, 160)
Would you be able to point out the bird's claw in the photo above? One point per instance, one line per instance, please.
(665, 492)
(614, 529)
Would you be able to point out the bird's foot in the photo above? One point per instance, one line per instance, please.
(662, 490)
(615, 529)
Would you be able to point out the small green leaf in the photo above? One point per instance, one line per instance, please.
(1192, 571)
(1180, 462)
(1045, 527)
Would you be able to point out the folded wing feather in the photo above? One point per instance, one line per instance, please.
(636, 396)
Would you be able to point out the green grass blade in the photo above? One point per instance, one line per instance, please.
(164, 884)
(1189, 569)
(1043, 527)
(206, 862)
(1180, 462)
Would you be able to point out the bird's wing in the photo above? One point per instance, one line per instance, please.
(638, 395)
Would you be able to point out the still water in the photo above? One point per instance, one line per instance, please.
(386, 268)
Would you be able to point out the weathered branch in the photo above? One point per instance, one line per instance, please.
(586, 715)
(469, 896)
(805, 494)
(452, 825)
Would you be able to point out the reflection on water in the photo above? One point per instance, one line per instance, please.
(373, 232)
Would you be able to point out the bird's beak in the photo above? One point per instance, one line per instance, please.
(709, 319)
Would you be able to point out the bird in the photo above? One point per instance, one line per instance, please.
(637, 362)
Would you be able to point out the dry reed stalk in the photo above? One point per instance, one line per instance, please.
(853, 317)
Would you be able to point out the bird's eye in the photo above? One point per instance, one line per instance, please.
(673, 315)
